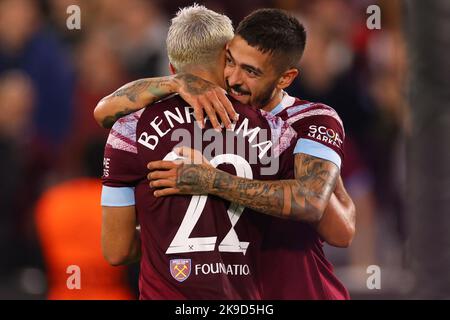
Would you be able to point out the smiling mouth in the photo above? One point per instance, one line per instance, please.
(237, 93)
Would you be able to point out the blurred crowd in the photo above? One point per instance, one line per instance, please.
(50, 146)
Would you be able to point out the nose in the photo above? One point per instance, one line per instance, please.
(233, 76)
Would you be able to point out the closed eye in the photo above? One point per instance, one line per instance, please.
(251, 72)
(229, 61)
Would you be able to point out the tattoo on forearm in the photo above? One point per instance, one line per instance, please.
(157, 87)
(317, 177)
(132, 90)
(194, 179)
(109, 121)
(316, 181)
(263, 196)
(301, 199)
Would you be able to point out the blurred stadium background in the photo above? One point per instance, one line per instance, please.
(51, 148)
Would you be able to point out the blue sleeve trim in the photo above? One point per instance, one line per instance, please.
(318, 150)
(118, 197)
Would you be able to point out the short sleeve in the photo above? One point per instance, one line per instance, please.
(121, 167)
(320, 133)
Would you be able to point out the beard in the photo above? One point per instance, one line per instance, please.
(260, 100)
(263, 99)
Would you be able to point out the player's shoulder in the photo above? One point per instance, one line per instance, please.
(282, 134)
(302, 109)
(123, 133)
(307, 107)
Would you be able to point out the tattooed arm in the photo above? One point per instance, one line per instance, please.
(309, 197)
(304, 198)
(200, 94)
(301, 199)
(130, 98)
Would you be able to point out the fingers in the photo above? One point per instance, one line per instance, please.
(222, 113)
(194, 102)
(216, 106)
(220, 108)
(162, 183)
(161, 165)
(232, 114)
(208, 97)
(166, 192)
(210, 111)
(198, 114)
(168, 174)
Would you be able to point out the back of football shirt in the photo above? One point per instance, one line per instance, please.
(196, 247)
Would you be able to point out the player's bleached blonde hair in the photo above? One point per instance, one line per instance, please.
(196, 37)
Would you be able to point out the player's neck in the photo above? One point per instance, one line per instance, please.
(276, 99)
(207, 75)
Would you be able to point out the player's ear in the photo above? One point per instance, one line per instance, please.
(287, 77)
(172, 69)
